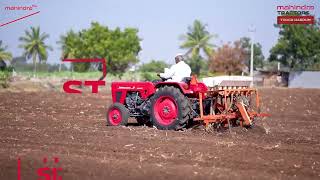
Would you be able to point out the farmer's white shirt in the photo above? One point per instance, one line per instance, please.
(177, 72)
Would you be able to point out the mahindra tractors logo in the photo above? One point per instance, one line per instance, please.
(67, 86)
(295, 14)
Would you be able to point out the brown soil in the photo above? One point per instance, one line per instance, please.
(34, 125)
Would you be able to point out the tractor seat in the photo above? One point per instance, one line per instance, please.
(186, 80)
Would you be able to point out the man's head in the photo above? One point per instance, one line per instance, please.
(178, 58)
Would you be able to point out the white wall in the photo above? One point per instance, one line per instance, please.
(304, 79)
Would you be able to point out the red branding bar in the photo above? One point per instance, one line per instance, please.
(295, 19)
(18, 19)
(94, 84)
(102, 61)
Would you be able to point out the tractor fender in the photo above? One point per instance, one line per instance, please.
(183, 87)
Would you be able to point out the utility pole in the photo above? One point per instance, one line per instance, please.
(252, 30)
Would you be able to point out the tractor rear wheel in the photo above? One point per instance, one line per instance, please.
(169, 109)
(117, 115)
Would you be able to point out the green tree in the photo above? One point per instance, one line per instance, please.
(196, 40)
(198, 64)
(298, 47)
(119, 48)
(68, 44)
(149, 70)
(72, 47)
(153, 66)
(258, 57)
(4, 56)
(5, 72)
(34, 46)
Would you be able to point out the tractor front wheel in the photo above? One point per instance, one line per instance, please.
(117, 115)
(169, 109)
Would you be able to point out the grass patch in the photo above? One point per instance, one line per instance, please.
(4, 78)
(127, 76)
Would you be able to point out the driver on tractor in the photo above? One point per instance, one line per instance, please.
(178, 71)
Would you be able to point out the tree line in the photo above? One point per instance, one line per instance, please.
(298, 48)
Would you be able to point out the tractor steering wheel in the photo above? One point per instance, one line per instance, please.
(163, 79)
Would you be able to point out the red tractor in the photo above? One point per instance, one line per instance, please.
(176, 105)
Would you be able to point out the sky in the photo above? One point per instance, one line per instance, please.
(160, 22)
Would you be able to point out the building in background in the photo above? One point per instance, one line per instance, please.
(271, 77)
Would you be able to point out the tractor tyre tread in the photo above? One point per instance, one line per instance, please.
(183, 105)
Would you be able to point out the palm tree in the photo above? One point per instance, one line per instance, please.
(4, 55)
(34, 46)
(197, 40)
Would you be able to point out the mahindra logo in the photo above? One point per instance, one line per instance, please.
(67, 86)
